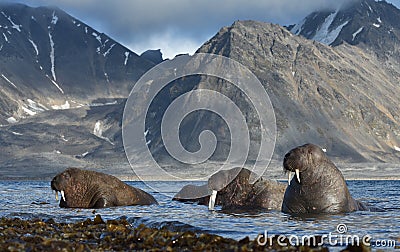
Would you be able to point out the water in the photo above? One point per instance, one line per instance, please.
(34, 199)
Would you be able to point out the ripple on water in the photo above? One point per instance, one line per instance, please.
(17, 198)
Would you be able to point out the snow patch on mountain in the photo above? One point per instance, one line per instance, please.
(16, 133)
(126, 58)
(11, 120)
(10, 82)
(298, 27)
(13, 25)
(55, 84)
(107, 79)
(28, 111)
(53, 71)
(63, 138)
(34, 46)
(103, 104)
(54, 18)
(357, 32)
(98, 37)
(31, 108)
(85, 154)
(324, 34)
(370, 8)
(98, 131)
(108, 51)
(66, 105)
(36, 106)
(5, 37)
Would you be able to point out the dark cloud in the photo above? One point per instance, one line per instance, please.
(178, 26)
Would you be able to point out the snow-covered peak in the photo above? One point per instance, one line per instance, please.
(52, 57)
(357, 21)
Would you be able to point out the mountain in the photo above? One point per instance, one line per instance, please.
(50, 60)
(153, 55)
(341, 98)
(370, 24)
(64, 88)
(336, 84)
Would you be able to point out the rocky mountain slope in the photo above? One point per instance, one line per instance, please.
(62, 90)
(340, 92)
(50, 60)
(338, 97)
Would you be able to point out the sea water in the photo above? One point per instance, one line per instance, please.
(35, 199)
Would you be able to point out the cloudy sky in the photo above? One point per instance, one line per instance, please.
(179, 26)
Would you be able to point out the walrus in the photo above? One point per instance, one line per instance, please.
(90, 189)
(318, 186)
(232, 190)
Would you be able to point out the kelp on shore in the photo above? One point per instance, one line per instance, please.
(119, 235)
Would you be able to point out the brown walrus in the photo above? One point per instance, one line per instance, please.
(318, 187)
(232, 190)
(90, 189)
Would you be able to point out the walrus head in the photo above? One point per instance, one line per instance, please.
(230, 185)
(60, 183)
(301, 158)
(75, 188)
(233, 183)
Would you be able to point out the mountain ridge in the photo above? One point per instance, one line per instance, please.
(370, 24)
(54, 59)
(342, 97)
(295, 72)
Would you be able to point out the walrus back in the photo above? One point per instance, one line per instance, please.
(125, 194)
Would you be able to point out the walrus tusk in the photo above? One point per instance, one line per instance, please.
(211, 203)
(62, 195)
(56, 195)
(298, 175)
(289, 177)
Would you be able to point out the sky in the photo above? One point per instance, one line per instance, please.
(179, 26)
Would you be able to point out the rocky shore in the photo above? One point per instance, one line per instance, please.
(119, 235)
